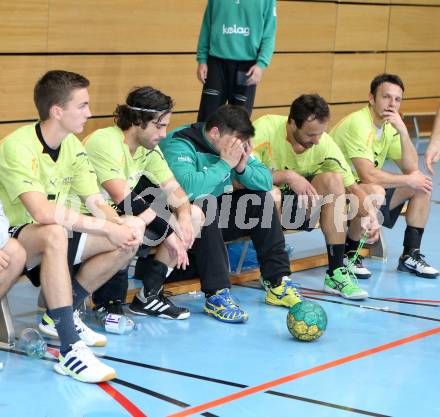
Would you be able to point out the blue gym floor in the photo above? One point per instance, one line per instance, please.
(368, 362)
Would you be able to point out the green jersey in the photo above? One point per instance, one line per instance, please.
(112, 159)
(273, 149)
(25, 166)
(241, 30)
(200, 170)
(358, 137)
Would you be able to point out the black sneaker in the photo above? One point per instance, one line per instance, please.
(415, 263)
(157, 304)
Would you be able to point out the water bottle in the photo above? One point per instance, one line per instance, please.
(32, 343)
(118, 324)
(289, 250)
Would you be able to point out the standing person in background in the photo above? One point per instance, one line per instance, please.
(236, 44)
(432, 154)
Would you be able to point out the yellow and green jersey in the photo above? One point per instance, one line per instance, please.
(26, 167)
(112, 159)
(273, 149)
(358, 137)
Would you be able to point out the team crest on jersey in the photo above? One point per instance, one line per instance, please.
(67, 180)
(34, 164)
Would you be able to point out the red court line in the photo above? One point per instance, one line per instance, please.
(115, 394)
(124, 401)
(413, 300)
(267, 385)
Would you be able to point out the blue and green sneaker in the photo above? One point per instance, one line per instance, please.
(222, 307)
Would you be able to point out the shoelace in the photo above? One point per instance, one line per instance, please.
(359, 260)
(84, 353)
(419, 259)
(79, 324)
(296, 288)
(163, 296)
(349, 276)
(230, 300)
(354, 259)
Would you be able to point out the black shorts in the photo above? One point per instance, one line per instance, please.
(390, 216)
(293, 217)
(75, 247)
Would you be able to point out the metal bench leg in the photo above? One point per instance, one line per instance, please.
(7, 333)
(242, 256)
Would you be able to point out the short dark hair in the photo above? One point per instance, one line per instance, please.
(308, 105)
(230, 118)
(385, 78)
(142, 105)
(55, 88)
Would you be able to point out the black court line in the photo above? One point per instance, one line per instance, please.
(318, 292)
(379, 309)
(157, 395)
(237, 385)
(379, 299)
(203, 378)
(124, 383)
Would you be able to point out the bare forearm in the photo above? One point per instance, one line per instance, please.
(385, 179)
(410, 159)
(435, 137)
(72, 220)
(102, 210)
(283, 177)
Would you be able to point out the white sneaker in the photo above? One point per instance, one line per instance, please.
(90, 337)
(357, 268)
(81, 364)
(415, 263)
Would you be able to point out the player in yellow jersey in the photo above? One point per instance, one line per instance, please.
(372, 135)
(132, 171)
(40, 166)
(314, 179)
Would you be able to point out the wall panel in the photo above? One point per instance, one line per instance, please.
(18, 75)
(352, 74)
(414, 28)
(129, 26)
(23, 26)
(293, 74)
(419, 71)
(112, 76)
(371, 35)
(305, 26)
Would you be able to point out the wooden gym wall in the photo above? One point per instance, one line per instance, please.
(333, 48)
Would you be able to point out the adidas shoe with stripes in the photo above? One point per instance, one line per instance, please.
(90, 337)
(81, 364)
(157, 304)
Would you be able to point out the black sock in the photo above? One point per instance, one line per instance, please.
(335, 256)
(351, 245)
(413, 238)
(79, 294)
(154, 275)
(63, 319)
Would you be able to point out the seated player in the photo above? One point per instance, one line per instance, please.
(367, 138)
(130, 168)
(40, 165)
(12, 256)
(206, 158)
(314, 178)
